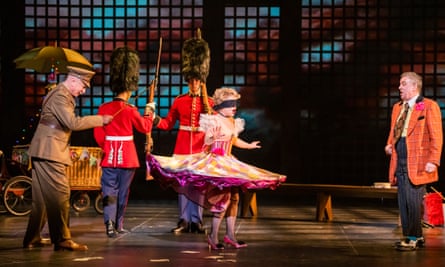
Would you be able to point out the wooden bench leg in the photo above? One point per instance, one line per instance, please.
(324, 207)
(249, 204)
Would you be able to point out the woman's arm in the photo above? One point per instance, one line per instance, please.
(244, 145)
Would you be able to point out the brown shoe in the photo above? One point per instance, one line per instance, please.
(70, 245)
(39, 244)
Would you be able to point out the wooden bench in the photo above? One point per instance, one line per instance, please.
(324, 193)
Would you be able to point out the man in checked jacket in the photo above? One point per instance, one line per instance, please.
(415, 156)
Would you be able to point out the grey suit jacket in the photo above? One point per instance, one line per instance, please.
(57, 121)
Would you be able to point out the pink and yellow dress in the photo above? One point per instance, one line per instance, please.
(201, 176)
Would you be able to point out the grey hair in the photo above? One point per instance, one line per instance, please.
(413, 77)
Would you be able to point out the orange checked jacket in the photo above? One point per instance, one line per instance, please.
(423, 140)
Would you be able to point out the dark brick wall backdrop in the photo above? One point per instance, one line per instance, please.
(322, 107)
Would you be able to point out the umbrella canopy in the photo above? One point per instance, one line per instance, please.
(51, 59)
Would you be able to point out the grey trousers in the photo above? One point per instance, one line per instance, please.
(50, 201)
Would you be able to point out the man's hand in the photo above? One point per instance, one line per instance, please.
(150, 109)
(430, 167)
(388, 149)
(107, 119)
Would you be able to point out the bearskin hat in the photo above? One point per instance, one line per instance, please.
(124, 70)
(195, 58)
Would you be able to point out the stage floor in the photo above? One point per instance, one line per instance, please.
(284, 233)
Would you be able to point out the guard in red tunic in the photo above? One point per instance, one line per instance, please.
(186, 109)
(120, 158)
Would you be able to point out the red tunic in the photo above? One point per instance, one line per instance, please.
(186, 110)
(116, 138)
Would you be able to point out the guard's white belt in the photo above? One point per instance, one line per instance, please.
(190, 128)
(119, 138)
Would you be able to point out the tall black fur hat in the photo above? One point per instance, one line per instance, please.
(195, 58)
(124, 70)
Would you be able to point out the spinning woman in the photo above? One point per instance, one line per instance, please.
(213, 178)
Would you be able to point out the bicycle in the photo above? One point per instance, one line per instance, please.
(16, 181)
(16, 187)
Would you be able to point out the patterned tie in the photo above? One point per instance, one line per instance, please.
(400, 123)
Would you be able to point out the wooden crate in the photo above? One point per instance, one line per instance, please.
(85, 172)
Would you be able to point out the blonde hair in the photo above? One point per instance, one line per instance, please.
(224, 93)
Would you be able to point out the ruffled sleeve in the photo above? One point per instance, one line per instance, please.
(239, 125)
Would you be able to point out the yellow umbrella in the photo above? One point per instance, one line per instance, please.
(51, 59)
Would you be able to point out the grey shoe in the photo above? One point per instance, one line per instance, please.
(407, 245)
(420, 242)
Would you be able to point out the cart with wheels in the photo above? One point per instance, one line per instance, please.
(17, 195)
(15, 183)
(84, 176)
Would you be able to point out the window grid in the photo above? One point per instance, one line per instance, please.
(251, 47)
(251, 66)
(95, 28)
(352, 53)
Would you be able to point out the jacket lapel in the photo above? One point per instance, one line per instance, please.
(415, 115)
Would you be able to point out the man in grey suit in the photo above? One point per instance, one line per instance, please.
(50, 156)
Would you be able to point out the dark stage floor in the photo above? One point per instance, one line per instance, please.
(284, 234)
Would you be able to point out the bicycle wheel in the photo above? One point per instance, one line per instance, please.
(98, 205)
(2, 205)
(80, 201)
(17, 195)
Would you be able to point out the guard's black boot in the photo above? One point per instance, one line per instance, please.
(183, 227)
(111, 231)
(197, 228)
